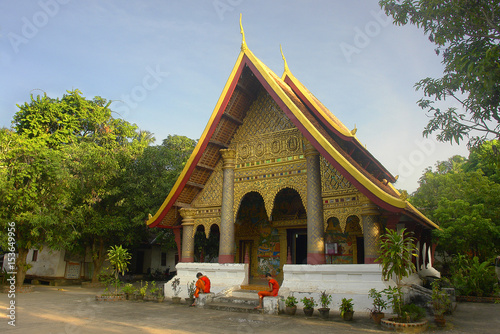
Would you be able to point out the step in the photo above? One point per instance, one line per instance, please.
(238, 300)
(232, 307)
(241, 293)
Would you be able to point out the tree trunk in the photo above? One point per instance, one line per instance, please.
(21, 267)
(97, 259)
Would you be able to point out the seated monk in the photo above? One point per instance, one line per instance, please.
(273, 290)
(202, 285)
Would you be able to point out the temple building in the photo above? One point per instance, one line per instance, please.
(280, 181)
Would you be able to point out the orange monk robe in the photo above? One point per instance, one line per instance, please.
(207, 284)
(202, 285)
(273, 284)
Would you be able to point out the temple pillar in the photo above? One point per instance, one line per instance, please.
(187, 234)
(226, 245)
(371, 233)
(315, 229)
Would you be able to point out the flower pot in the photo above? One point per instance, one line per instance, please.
(308, 311)
(176, 300)
(440, 321)
(324, 312)
(160, 299)
(347, 315)
(290, 310)
(396, 325)
(377, 317)
(189, 300)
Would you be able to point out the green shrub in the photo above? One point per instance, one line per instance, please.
(308, 302)
(412, 313)
(473, 278)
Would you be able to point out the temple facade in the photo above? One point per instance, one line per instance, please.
(279, 180)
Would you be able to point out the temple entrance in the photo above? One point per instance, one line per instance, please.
(206, 249)
(255, 236)
(360, 241)
(344, 246)
(245, 249)
(297, 239)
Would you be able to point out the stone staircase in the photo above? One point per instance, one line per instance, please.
(241, 300)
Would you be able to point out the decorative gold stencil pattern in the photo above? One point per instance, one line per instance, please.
(332, 182)
(211, 195)
(264, 116)
(372, 230)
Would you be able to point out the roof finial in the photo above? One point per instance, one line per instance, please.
(353, 131)
(243, 42)
(284, 59)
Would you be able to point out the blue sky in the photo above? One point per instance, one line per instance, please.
(165, 63)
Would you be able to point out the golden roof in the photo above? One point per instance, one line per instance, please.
(319, 126)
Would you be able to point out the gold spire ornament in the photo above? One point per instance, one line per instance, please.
(284, 59)
(243, 42)
(353, 131)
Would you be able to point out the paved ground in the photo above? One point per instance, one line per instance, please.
(73, 310)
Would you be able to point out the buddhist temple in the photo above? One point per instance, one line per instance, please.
(281, 182)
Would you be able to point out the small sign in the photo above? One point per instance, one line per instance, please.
(72, 270)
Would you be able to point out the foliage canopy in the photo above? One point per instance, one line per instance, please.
(467, 35)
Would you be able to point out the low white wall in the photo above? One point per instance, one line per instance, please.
(222, 276)
(340, 280)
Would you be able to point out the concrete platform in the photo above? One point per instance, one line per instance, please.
(74, 310)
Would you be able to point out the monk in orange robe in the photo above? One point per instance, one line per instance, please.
(202, 285)
(273, 290)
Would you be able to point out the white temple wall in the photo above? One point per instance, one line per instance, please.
(223, 277)
(340, 280)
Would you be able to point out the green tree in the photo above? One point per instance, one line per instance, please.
(465, 230)
(154, 172)
(486, 158)
(72, 119)
(34, 194)
(97, 148)
(454, 184)
(465, 202)
(467, 34)
(98, 199)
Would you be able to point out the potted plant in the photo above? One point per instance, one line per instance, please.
(119, 259)
(309, 304)
(156, 292)
(143, 290)
(379, 305)
(440, 304)
(346, 309)
(128, 289)
(176, 289)
(396, 251)
(191, 288)
(405, 313)
(325, 300)
(291, 305)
